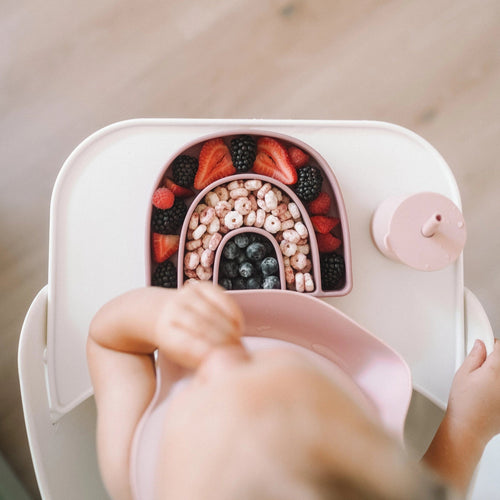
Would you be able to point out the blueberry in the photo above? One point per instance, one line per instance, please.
(226, 283)
(242, 240)
(269, 266)
(256, 251)
(254, 283)
(269, 247)
(239, 283)
(246, 270)
(241, 257)
(230, 250)
(271, 282)
(229, 268)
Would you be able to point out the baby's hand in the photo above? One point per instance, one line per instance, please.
(197, 318)
(474, 402)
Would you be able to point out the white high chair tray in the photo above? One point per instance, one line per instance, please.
(99, 238)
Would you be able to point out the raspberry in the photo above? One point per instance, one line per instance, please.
(320, 205)
(327, 243)
(309, 183)
(184, 170)
(163, 198)
(297, 156)
(165, 275)
(323, 224)
(243, 152)
(332, 271)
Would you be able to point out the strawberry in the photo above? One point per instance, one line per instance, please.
(320, 205)
(163, 198)
(214, 163)
(297, 156)
(327, 242)
(323, 224)
(273, 160)
(179, 191)
(164, 246)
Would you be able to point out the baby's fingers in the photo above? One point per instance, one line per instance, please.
(475, 358)
(183, 348)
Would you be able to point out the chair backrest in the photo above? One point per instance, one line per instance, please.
(63, 453)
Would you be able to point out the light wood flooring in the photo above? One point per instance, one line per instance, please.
(70, 68)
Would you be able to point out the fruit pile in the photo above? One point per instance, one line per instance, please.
(249, 262)
(262, 155)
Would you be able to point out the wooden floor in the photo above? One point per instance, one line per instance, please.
(70, 68)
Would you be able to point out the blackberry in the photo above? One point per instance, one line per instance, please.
(243, 152)
(165, 275)
(169, 220)
(309, 183)
(332, 271)
(184, 170)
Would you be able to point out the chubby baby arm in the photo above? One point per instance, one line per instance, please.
(185, 324)
(471, 420)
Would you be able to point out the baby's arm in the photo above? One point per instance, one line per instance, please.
(471, 420)
(185, 324)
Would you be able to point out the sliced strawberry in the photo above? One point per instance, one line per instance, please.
(327, 242)
(179, 191)
(297, 156)
(320, 205)
(164, 246)
(214, 163)
(273, 160)
(163, 198)
(323, 224)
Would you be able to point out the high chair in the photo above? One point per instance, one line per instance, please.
(100, 247)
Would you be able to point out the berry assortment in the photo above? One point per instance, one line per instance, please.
(246, 203)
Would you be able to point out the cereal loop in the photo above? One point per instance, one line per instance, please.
(253, 184)
(238, 193)
(207, 216)
(260, 218)
(222, 193)
(243, 206)
(288, 249)
(299, 282)
(191, 260)
(207, 258)
(211, 199)
(272, 224)
(233, 220)
(222, 208)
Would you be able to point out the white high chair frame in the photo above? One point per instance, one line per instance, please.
(62, 438)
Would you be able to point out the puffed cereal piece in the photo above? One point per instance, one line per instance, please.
(215, 239)
(193, 279)
(279, 211)
(286, 261)
(205, 240)
(193, 245)
(305, 249)
(287, 224)
(309, 282)
(243, 206)
(253, 201)
(294, 210)
(291, 235)
(222, 193)
(191, 274)
(298, 261)
(199, 208)
(207, 258)
(239, 193)
(261, 193)
(200, 250)
(222, 208)
(233, 220)
(301, 229)
(235, 184)
(191, 260)
(299, 282)
(272, 224)
(260, 218)
(204, 273)
(289, 275)
(214, 226)
(253, 184)
(249, 219)
(271, 200)
(279, 237)
(199, 232)
(223, 228)
(194, 220)
(287, 248)
(307, 267)
(302, 241)
(211, 199)
(285, 199)
(207, 216)
(278, 194)
(262, 204)
(286, 215)
(189, 235)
